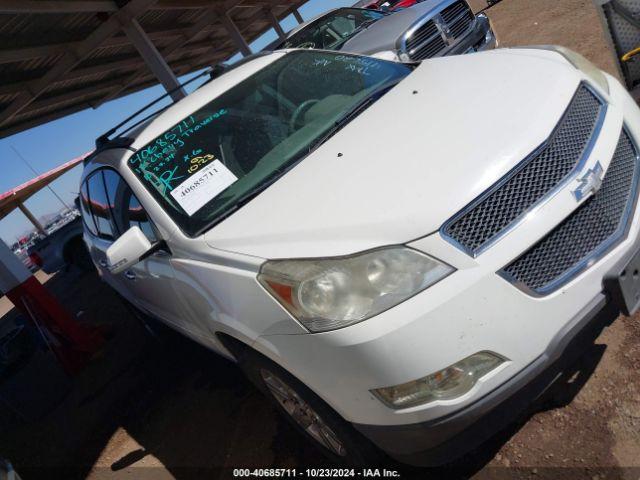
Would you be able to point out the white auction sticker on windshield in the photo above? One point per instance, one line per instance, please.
(200, 188)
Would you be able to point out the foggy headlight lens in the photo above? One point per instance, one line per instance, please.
(326, 294)
(451, 382)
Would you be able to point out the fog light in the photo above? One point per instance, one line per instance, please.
(451, 382)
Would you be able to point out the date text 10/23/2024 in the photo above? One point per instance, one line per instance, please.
(315, 473)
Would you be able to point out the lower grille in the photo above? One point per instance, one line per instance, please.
(591, 230)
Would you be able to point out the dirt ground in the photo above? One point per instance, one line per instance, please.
(145, 409)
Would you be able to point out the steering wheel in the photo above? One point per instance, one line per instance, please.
(302, 108)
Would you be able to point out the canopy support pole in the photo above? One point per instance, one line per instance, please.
(153, 58)
(27, 213)
(235, 35)
(276, 24)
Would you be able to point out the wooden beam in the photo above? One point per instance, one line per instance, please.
(100, 88)
(8, 55)
(91, 102)
(194, 31)
(74, 56)
(78, 6)
(57, 6)
(197, 4)
(108, 65)
(210, 17)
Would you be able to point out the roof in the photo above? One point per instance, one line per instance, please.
(10, 199)
(62, 56)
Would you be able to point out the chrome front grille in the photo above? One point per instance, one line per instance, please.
(440, 32)
(426, 42)
(487, 218)
(596, 226)
(457, 17)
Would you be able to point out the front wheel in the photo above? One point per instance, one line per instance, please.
(310, 415)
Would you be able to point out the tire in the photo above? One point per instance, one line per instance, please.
(78, 255)
(329, 433)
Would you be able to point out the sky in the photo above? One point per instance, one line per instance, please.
(49, 145)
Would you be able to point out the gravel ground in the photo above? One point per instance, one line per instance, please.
(148, 410)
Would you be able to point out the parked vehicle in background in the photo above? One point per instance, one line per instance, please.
(428, 29)
(62, 247)
(389, 5)
(27, 261)
(410, 296)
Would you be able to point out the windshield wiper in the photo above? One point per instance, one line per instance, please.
(356, 110)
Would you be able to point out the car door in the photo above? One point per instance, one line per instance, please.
(99, 229)
(152, 279)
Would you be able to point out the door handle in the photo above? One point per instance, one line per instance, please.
(103, 263)
(130, 275)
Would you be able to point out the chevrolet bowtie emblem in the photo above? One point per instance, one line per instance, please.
(589, 183)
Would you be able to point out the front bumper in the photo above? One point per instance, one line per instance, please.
(442, 440)
(472, 310)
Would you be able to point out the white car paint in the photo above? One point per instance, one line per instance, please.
(464, 122)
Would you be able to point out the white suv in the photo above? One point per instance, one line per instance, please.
(400, 255)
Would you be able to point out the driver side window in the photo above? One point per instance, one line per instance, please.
(119, 209)
(127, 210)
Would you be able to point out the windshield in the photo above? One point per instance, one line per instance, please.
(333, 30)
(213, 161)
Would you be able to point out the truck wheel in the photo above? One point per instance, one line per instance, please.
(309, 414)
(79, 255)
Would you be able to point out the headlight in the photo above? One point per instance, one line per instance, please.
(581, 63)
(326, 294)
(451, 382)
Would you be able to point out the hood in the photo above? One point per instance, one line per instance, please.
(410, 161)
(384, 34)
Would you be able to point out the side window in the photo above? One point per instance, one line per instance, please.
(138, 216)
(99, 204)
(115, 188)
(126, 208)
(85, 209)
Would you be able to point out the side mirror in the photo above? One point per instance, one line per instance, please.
(127, 250)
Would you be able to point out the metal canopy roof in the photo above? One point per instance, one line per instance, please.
(58, 57)
(11, 199)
